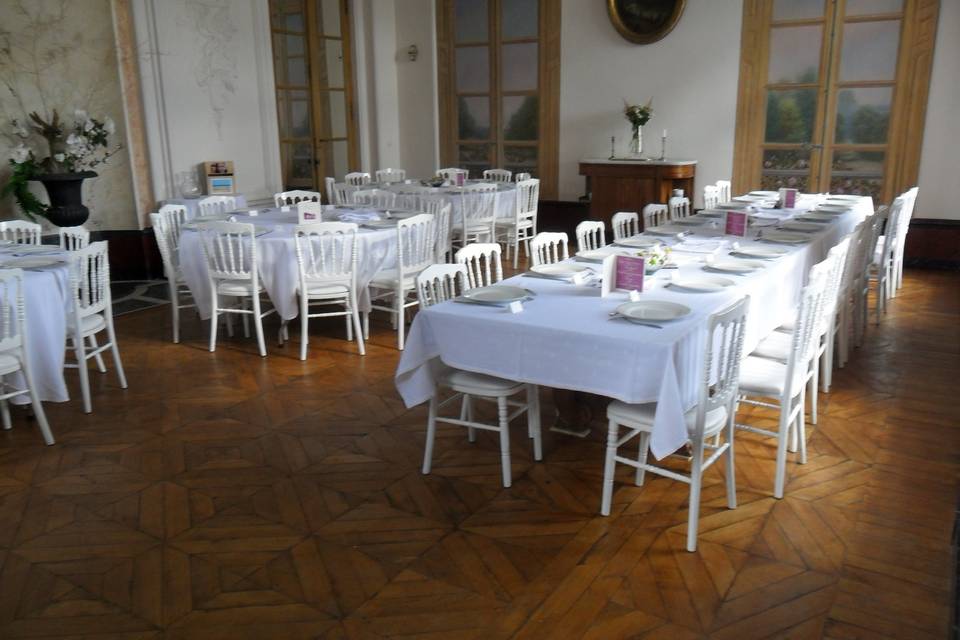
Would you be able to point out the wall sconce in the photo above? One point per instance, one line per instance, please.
(413, 52)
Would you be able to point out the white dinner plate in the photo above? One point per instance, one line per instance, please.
(710, 213)
(803, 227)
(498, 293)
(765, 194)
(31, 248)
(701, 284)
(764, 253)
(839, 208)
(731, 205)
(843, 196)
(693, 221)
(379, 224)
(819, 218)
(213, 217)
(733, 266)
(596, 255)
(638, 242)
(29, 262)
(664, 231)
(560, 269)
(785, 237)
(652, 310)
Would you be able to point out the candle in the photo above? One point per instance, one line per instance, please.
(664, 133)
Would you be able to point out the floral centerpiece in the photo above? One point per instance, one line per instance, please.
(638, 115)
(654, 258)
(72, 151)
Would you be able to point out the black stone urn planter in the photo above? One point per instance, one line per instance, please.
(66, 197)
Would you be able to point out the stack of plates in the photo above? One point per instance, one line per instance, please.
(23, 249)
(647, 311)
(733, 266)
(701, 284)
(815, 217)
(763, 253)
(29, 262)
(560, 270)
(498, 294)
(803, 227)
(638, 242)
(693, 221)
(784, 237)
(597, 255)
(379, 224)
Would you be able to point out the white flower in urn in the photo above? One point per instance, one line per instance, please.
(59, 157)
(88, 125)
(20, 153)
(80, 115)
(109, 126)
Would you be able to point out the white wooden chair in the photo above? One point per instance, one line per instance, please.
(862, 285)
(329, 188)
(713, 415)
(655, 215)
(423, 201)
(377, 198)
(357, 178)
(883, 270)
(340, 192)
(679, 207)
(478, 214)
(327, 266)
(230, 249)
(483, 264)
(439, 283)
(13, 351)
(786, 382)
(523, 225)
(451, 173)
(548, 247)
(166, 229)
(909, 201)
(90, 313)
(74, 238)
(520, 176)
(498, 175)
(711, 196)
(217, 205)
(389, 176)
(625, 224)
(20, 231)
(724, 192)
(290, 198)
(591, 234)
(416, 250)
(411, 196)
(843, 323)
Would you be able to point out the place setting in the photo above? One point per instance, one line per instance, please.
(732, 266)
(650, 313)
(498, 295)
(567, 271)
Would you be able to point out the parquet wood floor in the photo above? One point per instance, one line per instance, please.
(228, 496)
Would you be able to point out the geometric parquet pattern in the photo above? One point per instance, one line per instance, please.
(228, 496)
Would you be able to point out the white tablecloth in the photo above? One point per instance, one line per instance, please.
(564, 339)
(277, 261)
(192, 204)
(46, 296)
(506, 198)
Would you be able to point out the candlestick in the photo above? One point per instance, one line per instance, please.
(663, 145)
(613, 147)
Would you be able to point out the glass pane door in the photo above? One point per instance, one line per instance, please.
(294, 104)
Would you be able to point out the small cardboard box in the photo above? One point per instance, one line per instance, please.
(219, 176)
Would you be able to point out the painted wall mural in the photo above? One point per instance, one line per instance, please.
(215, 66)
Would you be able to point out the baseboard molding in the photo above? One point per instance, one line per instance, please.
(933, 244)
(133, 254)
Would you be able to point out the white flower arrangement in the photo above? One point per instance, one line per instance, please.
(655, 257)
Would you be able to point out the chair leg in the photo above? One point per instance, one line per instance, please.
(348, 321)
(245, 305)
(504, 442)
(401, 318)
(175, 308)
(609, 467)
(814, 390)
(355, 317)
(214, 320)
(731, 466)
(466, 415)
(5, 413)
(643, 448)
(533, 420)
(115, 351)
(92, 339)
(304, 329)
(81, 356)
(38, 411)
(258, 320)
(801, 430)
(826, 360)
(782, 435)
(431, 434)
(693, 517)
(366, 325)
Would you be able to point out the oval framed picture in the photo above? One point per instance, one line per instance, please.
(644, 21)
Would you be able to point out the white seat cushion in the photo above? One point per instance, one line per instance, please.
(237, 288)
(326, 289)
(641, 416)
(8, 364)
(478, 384)
(764, 377)
(388, 279)
(88, 325)
(775, 346)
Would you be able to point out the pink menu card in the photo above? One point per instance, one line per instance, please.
(629, 274)
(735, 223)
(788, 198)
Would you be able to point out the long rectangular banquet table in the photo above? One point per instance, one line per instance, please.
(564, 338)
(46, 294)
(277, 259)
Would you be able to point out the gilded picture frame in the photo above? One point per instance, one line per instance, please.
(645, 21)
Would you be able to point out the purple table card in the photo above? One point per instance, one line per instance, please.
(788, 198)
(630, 271)
(735, 223)
(309, 212)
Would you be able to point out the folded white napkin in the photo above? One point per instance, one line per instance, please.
(359, 216)
(699, 245)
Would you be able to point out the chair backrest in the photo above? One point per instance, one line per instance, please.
(837, 258)
(214, 205)
(73, 238)
(329, 187)
(379, 198)
(892, 229)
(720, 367)
(442, 213)
(528, 201)
(173, 217)
(548, 247)
(482, 261)
(655, 214)
(230, 250)
(342, 193)
(724, 191)
(909, 200)
(357, 178)
(286, 198)
(416, 244)
(625, 224)
(416, 198)
(388, 175)
(803, 343)
(479, 208)
(12, 310)
(326, 251)
(20, 231)
(859, 238)
(450, 173)
(711, 196)
(870, 236)
(591, 234)
(441, 282)
(498, 175)
(520, 176)
(90, 281)
(679, 207)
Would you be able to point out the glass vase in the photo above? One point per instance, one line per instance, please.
(636, 143)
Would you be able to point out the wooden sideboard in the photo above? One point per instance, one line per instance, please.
(629, 185)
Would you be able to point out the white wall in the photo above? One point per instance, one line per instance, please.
(207, 80)
(940, 157)
(417, 87)
(691, 75)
